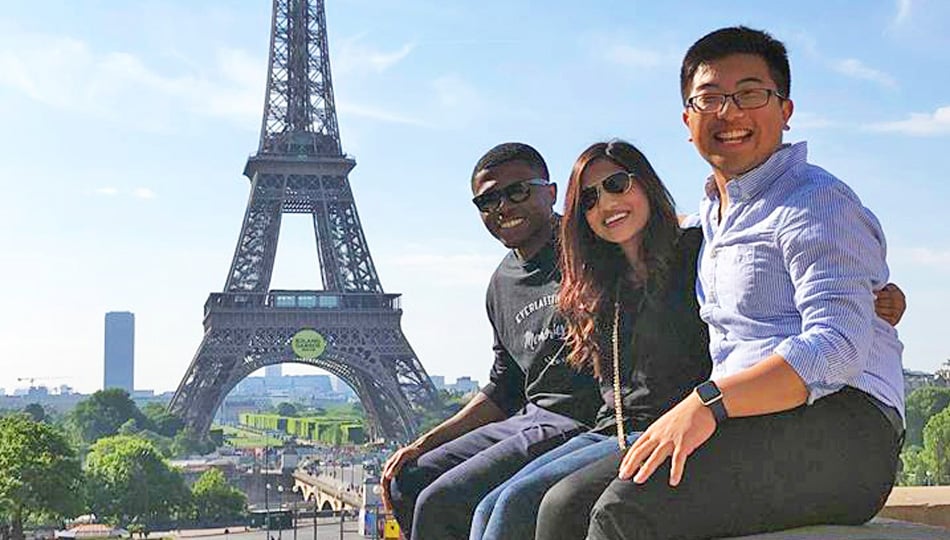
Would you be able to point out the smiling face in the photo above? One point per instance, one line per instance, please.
(735, 141)
(617, 218)
(526, 226)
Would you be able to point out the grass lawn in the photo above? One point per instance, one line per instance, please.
(242, 438)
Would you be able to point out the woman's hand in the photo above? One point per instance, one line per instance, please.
(676, 434)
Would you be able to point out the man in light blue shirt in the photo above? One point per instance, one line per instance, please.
(802, 420)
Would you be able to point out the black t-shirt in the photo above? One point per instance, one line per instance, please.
(530, 355)
(664, 345)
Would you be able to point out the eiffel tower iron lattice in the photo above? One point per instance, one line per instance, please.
(300, 168)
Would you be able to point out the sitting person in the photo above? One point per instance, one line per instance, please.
(801, 422)
(534, 401)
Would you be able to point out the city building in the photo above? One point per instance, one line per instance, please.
(438, 381)
(120, 351)
(273, 372)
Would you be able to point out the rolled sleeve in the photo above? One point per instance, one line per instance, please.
(834, 252)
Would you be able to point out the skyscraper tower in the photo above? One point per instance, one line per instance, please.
(120, 351)
(350, 328)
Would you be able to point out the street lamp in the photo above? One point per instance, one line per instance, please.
(280, 521)
(267, 510)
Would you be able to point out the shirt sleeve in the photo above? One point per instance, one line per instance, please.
(506, 380)
(834, 250)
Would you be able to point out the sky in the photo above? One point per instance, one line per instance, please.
(126, 127)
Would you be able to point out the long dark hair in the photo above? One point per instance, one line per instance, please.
(591, 267)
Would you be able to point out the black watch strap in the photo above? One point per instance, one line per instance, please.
(710, 395)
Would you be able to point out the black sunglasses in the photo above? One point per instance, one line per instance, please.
(515, 193)
(617, 183)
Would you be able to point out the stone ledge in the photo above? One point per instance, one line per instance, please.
(878, 529)
(929, 505)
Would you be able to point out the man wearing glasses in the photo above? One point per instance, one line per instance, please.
(801, 422)
(534, 401)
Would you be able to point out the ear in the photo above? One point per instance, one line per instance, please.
(788, 106)
(552, 190)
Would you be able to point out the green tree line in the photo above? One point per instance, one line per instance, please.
(109, 458)
(926, 454)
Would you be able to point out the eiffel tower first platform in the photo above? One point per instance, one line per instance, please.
(351, 328)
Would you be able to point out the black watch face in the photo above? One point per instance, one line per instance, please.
(707, 392)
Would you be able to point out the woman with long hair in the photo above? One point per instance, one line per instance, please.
(627, 294)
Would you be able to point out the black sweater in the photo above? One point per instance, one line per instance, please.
(530, 355)
(664, 345)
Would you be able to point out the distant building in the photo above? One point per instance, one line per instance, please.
(120, 351)
(465, 385)
(273, 372)
(438, 381)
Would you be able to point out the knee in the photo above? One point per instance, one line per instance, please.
(435, 499)
(556, 502)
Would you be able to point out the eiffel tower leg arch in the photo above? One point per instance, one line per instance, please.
(383, 381)
(388, 414)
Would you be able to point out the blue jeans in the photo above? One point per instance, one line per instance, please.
(510, 510)
(434, 497)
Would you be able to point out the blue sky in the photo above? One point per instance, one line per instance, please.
(126, 126)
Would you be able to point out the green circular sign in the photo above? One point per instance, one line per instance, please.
(308, 343)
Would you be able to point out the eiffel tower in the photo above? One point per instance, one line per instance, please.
(351, 328)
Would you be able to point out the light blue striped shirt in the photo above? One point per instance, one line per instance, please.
(791, 270)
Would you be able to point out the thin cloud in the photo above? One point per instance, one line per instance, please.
(353, 56)
(856, 69)
(903, 11)
(929, 257)
(378, 114)
(67, 74)
(143, 193)
(919, 124)
(807, 120)
(109, 191)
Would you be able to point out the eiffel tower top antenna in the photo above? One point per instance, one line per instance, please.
(299, 112)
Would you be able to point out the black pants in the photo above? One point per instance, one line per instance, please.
(832, 462)
(436, 497)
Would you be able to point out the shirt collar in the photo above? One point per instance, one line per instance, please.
(750, 184)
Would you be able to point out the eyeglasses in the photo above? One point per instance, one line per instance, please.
(753, 98)
(617, 183)
(515, 193)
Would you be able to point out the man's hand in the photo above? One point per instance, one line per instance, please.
(392, 467)
(679, 432)
(890, 303)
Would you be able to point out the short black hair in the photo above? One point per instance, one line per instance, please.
(512, 151)
(737, 40)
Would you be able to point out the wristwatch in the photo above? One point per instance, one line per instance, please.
(710, 395)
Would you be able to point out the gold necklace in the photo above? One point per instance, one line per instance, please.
(618, 409)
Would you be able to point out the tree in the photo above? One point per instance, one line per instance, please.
(190, 443)
(36, 411)
(937, 446)
(130, 482)
(286, 409)
(216, 501)
(103, 413)
(165, 423)
(39, 472)
(921, 405)
(914, 467)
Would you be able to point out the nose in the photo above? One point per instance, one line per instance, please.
(729, 109)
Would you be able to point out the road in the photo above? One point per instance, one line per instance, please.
(327, 529)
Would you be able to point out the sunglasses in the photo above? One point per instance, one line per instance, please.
(617, 183)
(515, 193)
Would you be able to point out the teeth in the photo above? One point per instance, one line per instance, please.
(511, 223)
(733, 135)
(616, 217)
